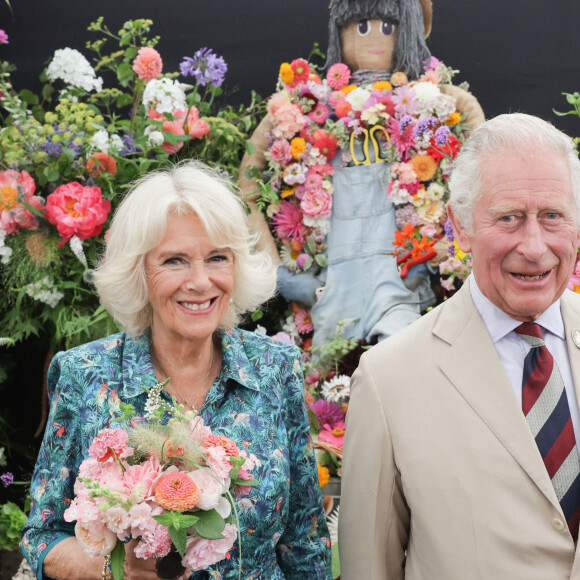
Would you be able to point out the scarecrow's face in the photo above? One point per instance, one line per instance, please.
(368, 44)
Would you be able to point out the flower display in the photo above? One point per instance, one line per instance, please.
(205, 66)
(69, 157)
(158, 484)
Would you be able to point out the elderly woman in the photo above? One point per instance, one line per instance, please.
(178, 273)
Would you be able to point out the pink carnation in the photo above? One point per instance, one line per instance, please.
(201, 553)
(281, 152)
(148, 64)
(15, 188)
(110, 442)
(77, 210)
(338, 76)
(317, 203)
(154, 544)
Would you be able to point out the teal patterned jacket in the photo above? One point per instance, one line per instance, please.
(257, 400)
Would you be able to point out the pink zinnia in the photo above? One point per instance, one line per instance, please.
(303, 321)
(301, 70)
(222, 441)
(148, 64)
(319, 114)
(177, 492)
(288, 222)
(332, 434)
(338, 76)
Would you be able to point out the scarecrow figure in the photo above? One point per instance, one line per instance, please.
(361, 284)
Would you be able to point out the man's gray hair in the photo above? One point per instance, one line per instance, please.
(514, 132)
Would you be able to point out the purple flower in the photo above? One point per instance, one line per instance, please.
(405, 122)
(424, 124)
(327, 412)
(52, 149)
(129, 146)
(449, 230)
(3, 37)
(442, 135)
(205, 66)
(7, 478)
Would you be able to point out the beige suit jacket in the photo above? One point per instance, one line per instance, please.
(442, 479)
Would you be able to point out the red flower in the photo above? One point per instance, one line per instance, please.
(450, 149)
(301, 70)
(77, 210)
(101, 163)
(326, 143)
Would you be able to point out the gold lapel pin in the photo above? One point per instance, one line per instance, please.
(576, 336)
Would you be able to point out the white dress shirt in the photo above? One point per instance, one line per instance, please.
(512, 348)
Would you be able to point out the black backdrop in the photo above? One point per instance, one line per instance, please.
(518, 55)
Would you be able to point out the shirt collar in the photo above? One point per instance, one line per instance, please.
(499, 324)
(138, 368)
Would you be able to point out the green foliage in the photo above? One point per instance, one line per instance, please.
(12, 520)
(574, 100)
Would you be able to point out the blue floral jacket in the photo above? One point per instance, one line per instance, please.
(257, 400)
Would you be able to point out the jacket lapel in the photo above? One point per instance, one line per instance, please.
(475, 370)
(570, 306)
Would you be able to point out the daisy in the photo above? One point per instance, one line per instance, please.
(336, 389)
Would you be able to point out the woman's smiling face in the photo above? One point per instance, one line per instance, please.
(190, 281)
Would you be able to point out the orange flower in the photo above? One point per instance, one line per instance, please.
(404, 236)
(424, 166)
(453, 119)
(222, 441)
(323, 474)
(177, 491)
(348, 89)
(298, 146)
(286, 73)
(421, 247)
(382, 86)
(288, 191)
(101, 163)
(399, 78)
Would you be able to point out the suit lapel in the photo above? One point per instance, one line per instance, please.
(475, 370)
(570, 306)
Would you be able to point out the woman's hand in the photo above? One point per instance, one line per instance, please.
(140, 569)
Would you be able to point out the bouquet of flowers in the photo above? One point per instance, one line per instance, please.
(167, 486)
(66, 162)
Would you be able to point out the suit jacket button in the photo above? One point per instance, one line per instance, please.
(558, 525)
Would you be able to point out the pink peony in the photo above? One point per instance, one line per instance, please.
(338, 76)
(110, 442)
(148, 64)
(201, 553)
(281, 152)
(16, 187)
(95, 538)
(317, 203)
(211, 489)
(175, 127)
(77, 210)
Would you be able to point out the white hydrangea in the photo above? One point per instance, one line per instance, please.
(165, 94)
(74, 69)
(357, 98)
(102, 141)
(44, 291)
(5, 251)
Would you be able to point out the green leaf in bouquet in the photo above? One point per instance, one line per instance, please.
(51, 174)
(28, 97)
(117, 560)
(124, 74)
(308, 263)
(124, 101)
(210, 525)
(321, 260)
(257, 315)
(179, 539)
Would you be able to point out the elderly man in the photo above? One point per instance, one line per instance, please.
(460, 459)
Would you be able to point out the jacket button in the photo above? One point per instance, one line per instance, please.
(558, 525)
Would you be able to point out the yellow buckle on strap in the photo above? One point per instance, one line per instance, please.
(369, 134)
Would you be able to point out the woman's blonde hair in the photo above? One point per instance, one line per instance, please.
(139, 225)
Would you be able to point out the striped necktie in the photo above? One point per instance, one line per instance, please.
(545, 406)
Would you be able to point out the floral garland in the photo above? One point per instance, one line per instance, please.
(413, 125)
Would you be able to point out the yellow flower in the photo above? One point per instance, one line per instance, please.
(453, 119)
(459, 253)
(286, 73)
(323, 474)
(50, 117)
(288, 192)
(348, 89)
(298, 145)
(382, 86)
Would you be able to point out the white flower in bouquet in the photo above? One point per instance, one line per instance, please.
(336, 389)
(357, 98)
(5, 251)
(44, 291)
(70, 66)
(427, 93)
(102, 141)
(164, 95)
(444, 106)
(154, 137)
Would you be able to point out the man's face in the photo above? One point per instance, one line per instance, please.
(525, 232)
